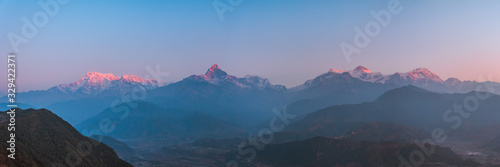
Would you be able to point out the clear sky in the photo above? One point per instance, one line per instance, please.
(287, 41)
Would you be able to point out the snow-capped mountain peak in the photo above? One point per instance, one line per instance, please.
(417, 75)
(214, 73)
(133, 78)
(95, 78)
(421, 73)
(213, 68)
(365, 74)
(362, 73)
(94, 83)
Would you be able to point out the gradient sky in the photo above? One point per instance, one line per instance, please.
(286, 41)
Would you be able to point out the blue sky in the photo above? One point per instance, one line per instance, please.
(284, 40)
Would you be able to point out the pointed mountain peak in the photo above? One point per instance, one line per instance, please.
(362, 69)
(219, 77)
(215, 71)
(215, 66)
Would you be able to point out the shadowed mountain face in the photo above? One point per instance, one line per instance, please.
(333, 89)
(408, 105)
(43, 139)
(326, 152)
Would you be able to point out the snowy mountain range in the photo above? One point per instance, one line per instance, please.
(91, 85)
(98, 84)
(95, 83)
(420, 77)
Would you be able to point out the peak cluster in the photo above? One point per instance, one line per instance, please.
(94, 83)
(365, 74)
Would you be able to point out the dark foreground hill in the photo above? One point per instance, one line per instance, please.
(203, 152)
(383, 131)
(326, 152)
(44, 139)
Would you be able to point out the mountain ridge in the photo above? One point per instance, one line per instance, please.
(94, 83)
(44, 139)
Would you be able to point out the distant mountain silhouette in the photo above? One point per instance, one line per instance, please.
(43, 139)
(76, 111)
(408, 105)
(158, 126)
(333, 88)
(246, 101)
